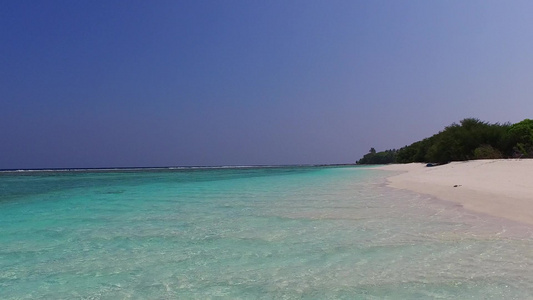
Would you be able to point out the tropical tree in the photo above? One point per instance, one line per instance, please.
(521, 135)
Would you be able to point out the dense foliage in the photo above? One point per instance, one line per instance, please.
(470, 139)
(380, 158)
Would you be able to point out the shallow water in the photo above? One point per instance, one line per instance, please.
(249, 233)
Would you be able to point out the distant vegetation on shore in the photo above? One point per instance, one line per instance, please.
(470, 139)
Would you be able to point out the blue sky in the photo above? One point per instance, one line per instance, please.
(166, 83)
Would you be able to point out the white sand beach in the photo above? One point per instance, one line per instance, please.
(501, 188)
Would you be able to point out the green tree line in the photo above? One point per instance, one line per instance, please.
(470, 139)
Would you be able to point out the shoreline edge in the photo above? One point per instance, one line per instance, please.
(500, 187)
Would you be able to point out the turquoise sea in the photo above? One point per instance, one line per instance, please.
(249, 233)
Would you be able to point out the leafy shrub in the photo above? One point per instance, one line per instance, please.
(487, 152)
(521, 135)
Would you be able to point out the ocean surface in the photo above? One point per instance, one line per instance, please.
(249, 233)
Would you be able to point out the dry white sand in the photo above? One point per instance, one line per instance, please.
(501, 188)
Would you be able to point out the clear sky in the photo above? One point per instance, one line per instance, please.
(167, 83)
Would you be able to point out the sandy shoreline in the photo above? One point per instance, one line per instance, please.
(501, 188)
